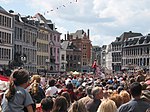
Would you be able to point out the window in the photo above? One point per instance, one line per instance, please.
(58, 39)
(0, 19)
(67, 57)
(75, 57)
(54, 50)
(58, 50)
(71, 57)
(62, 57)
(54, 38)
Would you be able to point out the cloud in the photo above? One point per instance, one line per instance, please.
(6, 1)
(106, 19)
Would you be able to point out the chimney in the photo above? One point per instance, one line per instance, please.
(88, 32)
(11, 11)
(130, 31)
(65, 36)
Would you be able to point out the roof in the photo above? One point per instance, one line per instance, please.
(139, 40)
(129, 34)
(78, 33)
(64, 44)
(2, 9)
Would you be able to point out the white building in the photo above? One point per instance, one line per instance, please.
(6, 33)
(63, 61)
(109, 58)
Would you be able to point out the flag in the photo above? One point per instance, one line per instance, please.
(94, 64)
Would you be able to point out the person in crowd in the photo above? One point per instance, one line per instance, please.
(79, 92)
(125, 96)
(52, 90)
(146, 95)
(36, 91)
(67, 96)
(16, 98)
(93, 105)
(60, 104)
(136, 104)
(78, 106)
(70, 89)
(117, 99)
(107, 105)
(87, 98)
(140, 76)
(47, 104)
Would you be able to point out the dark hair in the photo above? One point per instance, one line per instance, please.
(135, 89)
(47, 104)
(51, 82)
(18, 77)
(88, 90)
(69, 86)
(67, 96)
(60, 104)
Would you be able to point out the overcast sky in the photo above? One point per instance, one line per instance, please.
(106, 19)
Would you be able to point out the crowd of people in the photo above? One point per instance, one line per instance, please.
(79, 93)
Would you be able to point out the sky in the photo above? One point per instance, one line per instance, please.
(106, 19)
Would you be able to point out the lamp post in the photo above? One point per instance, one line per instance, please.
(79, 66)
(23, 59)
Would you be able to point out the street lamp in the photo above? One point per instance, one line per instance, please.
(79, 66)
(23, 59)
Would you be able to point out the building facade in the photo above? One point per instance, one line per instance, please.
(81, 39)
(51, 51)
(6, 36)
(108, 59)
(136, 54)
(103, 58)
(28, 40)
(72, 61)
(117, 50)
(96, 54)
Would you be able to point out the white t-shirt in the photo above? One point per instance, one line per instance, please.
(51, 91)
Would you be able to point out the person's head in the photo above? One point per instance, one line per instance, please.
(67, 96)
(36, 78)
(125, 96)
(47, 104)
(132, 80)
(51, 82)
(19, 77)
(117, 99)
(97, 93)
(135, 89)
(77, 106)
(107, 106)
(119, 89)
(144, 85)
(69, 86)
(146, 95)
(60, 104)
(88, 90)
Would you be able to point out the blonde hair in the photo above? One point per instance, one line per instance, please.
(125, 96)
(117, 99)
(35, 80)
(78, 106)
(107, 106)
(36, 77)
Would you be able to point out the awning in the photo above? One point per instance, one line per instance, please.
(4, 78)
